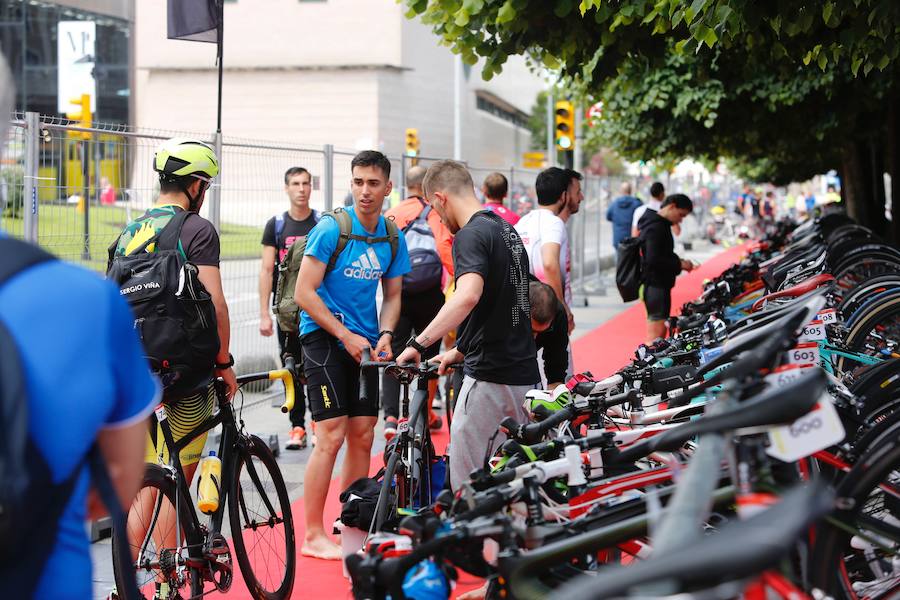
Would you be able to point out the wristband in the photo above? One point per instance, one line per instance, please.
(228, 365)
(412, 343)
(386, 332)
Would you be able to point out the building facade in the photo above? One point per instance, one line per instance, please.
(352, 73)
(31, 41)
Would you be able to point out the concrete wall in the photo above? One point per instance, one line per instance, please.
(261, 33)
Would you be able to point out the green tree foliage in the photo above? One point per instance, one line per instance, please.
(782, 89)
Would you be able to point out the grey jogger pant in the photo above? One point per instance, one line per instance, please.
(480, 407)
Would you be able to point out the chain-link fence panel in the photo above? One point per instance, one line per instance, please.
(12, 179)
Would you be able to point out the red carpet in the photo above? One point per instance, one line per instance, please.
(601, 351)
(324, 580)
(611, 345)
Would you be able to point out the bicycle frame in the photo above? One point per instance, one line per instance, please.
(186, 513)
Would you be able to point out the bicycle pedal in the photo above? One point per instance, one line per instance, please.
(218, 545)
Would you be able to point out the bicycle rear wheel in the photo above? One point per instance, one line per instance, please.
(155, 541)
(864, 563)
(262, 526)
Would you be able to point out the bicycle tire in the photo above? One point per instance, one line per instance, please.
(859, 332)
(832, 549)
(388, 497)
(248, 516)
(869, 288)
(155, 478)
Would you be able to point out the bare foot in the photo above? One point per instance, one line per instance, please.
(474, 594)
(321, 547)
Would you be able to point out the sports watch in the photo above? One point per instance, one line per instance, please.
(228, 365)
(412, 343)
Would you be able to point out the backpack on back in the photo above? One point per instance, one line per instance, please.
(426, 269)
(287, 313)
(628, 268)
(31, 504)
(174, 314)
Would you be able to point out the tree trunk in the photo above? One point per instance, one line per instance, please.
(863, 181)
(854, 182)
(877, 220)
(892, 164)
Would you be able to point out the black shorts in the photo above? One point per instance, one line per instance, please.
(658, 301)
(332, 380)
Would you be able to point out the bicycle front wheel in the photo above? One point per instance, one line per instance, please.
(259, 512)
(155, 541)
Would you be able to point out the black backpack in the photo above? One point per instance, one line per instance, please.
(31, 504)
(173, 313)
(628, 268)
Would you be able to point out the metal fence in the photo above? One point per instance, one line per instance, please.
(72, 190)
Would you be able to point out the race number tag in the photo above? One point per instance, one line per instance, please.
(817, 430)
(813, 332)
(784, 375)
(160, 413)
(827, 316)
(806, 353)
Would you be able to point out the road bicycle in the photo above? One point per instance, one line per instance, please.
(408, 479)
(176, 553)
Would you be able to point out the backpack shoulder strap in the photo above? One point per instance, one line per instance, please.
(393, 234)
(18, 256)
(171, 233)
(279, 227)
(345, 225)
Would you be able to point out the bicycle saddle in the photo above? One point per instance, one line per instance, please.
(814, 282)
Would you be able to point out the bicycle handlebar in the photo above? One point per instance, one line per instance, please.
(532, 433)
(285, 375)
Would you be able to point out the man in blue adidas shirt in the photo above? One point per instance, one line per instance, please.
(339, 327)
(87, 380)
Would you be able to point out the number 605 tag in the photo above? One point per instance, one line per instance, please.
(813, 332)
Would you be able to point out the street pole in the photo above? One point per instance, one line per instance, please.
(85, 198)
(457, 107)
(551, 143)
(579, 149)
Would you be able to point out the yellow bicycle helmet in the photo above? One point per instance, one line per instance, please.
(179, 158)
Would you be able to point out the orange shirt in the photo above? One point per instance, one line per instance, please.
(407, 211)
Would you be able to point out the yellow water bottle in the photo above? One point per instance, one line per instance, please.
(208, 484)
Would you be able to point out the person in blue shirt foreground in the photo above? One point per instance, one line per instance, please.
(339, 327)
(87, 380)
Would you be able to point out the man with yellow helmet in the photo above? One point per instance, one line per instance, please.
(186, 169)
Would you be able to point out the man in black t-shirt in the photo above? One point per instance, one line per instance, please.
(659, 263)
(491, 308)
(280, 233)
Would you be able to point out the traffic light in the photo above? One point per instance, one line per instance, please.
(83, 116)
(565, 125)
(412, 142)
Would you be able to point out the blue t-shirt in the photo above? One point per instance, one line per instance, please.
(85, 371)
(349, 289)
